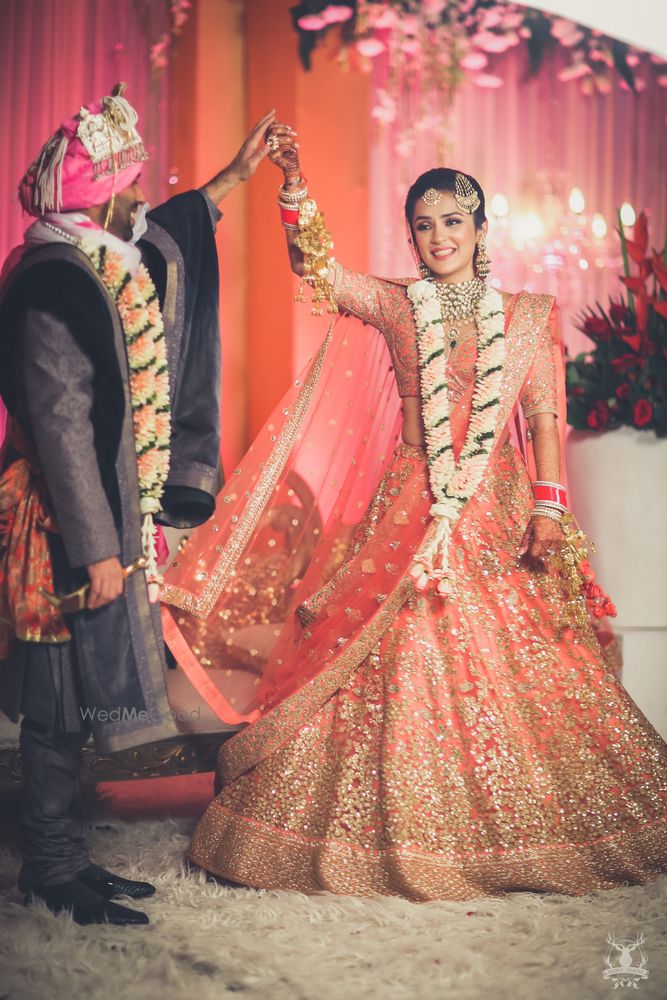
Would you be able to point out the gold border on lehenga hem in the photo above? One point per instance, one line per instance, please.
(284, 859)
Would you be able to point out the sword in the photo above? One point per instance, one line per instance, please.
(76, 600)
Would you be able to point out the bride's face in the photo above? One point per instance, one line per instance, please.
(445, 238)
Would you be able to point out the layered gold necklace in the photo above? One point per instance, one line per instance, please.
(459, 303)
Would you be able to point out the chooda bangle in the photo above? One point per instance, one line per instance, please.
(289, 216)
(553, 492)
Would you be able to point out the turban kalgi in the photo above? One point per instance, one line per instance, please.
(91, 156)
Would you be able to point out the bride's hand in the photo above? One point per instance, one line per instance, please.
(543, 537)
(284, 150)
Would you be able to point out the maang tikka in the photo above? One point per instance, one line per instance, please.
(465, 195)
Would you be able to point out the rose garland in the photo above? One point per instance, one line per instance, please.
(454, 483)
(137, 303)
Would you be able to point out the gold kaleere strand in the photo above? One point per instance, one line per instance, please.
(315, 242)
(465, 195)
(566, 560)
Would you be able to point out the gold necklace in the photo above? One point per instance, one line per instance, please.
(459, 302)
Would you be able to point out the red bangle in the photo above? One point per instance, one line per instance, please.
(554, 493)
(289, 216)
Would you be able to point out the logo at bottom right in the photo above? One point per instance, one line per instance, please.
(625, 962)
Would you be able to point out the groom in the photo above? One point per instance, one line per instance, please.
(102, 403)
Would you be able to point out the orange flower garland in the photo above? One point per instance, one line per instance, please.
(137, 302)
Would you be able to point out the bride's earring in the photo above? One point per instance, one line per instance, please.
(424, 271)
(482, 259)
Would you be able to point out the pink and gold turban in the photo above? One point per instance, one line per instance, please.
(93, 155)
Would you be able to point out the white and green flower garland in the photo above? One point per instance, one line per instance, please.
(454, 483)
(137, 302)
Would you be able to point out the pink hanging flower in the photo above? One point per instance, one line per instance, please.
(491, 18)
(561, 28)
(433, 8)
(411, 24)
(388, 18)
(512, 20)
(334, 14)
(158, 52)
(385, 110)
(487, 81)
(474, 61)
(410, 46)
(574, 72)
(489, 42)
(369, 47)
(312, 22)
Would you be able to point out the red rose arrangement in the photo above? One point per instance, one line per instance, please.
(623, 380)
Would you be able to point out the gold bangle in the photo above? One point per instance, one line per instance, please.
(553, 515)
(292, 197)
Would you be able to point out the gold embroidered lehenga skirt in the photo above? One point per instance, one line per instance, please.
(479, 748)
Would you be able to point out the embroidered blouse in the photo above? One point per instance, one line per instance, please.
(384, 304)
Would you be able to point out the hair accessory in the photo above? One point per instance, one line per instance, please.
(431, 197)
(465, 195)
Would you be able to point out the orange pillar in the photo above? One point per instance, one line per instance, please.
(271, 83)
(329, 109)
(234, 62)
(208, 124)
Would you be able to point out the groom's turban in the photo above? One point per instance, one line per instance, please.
(93, 155)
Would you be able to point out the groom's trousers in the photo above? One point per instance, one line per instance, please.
(53, 733)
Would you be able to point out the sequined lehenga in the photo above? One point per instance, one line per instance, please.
(407, 745)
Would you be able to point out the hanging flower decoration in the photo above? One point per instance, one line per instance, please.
(174, 18)
(623, 380)
(449, 39)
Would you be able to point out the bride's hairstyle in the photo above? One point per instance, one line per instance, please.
(442, 179)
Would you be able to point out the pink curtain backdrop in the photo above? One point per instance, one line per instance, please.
(58, 54)
(513, 139)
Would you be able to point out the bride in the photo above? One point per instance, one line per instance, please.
(406, 624)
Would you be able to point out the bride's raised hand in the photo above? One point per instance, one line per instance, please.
(284, 150)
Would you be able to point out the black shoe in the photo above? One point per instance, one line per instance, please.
(85, 905)
(111, 886)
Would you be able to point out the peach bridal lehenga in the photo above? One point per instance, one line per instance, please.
(399, 743)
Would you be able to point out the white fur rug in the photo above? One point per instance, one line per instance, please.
(205, 940)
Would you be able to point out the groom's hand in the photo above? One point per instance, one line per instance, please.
(106, 582)
(244, 164)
